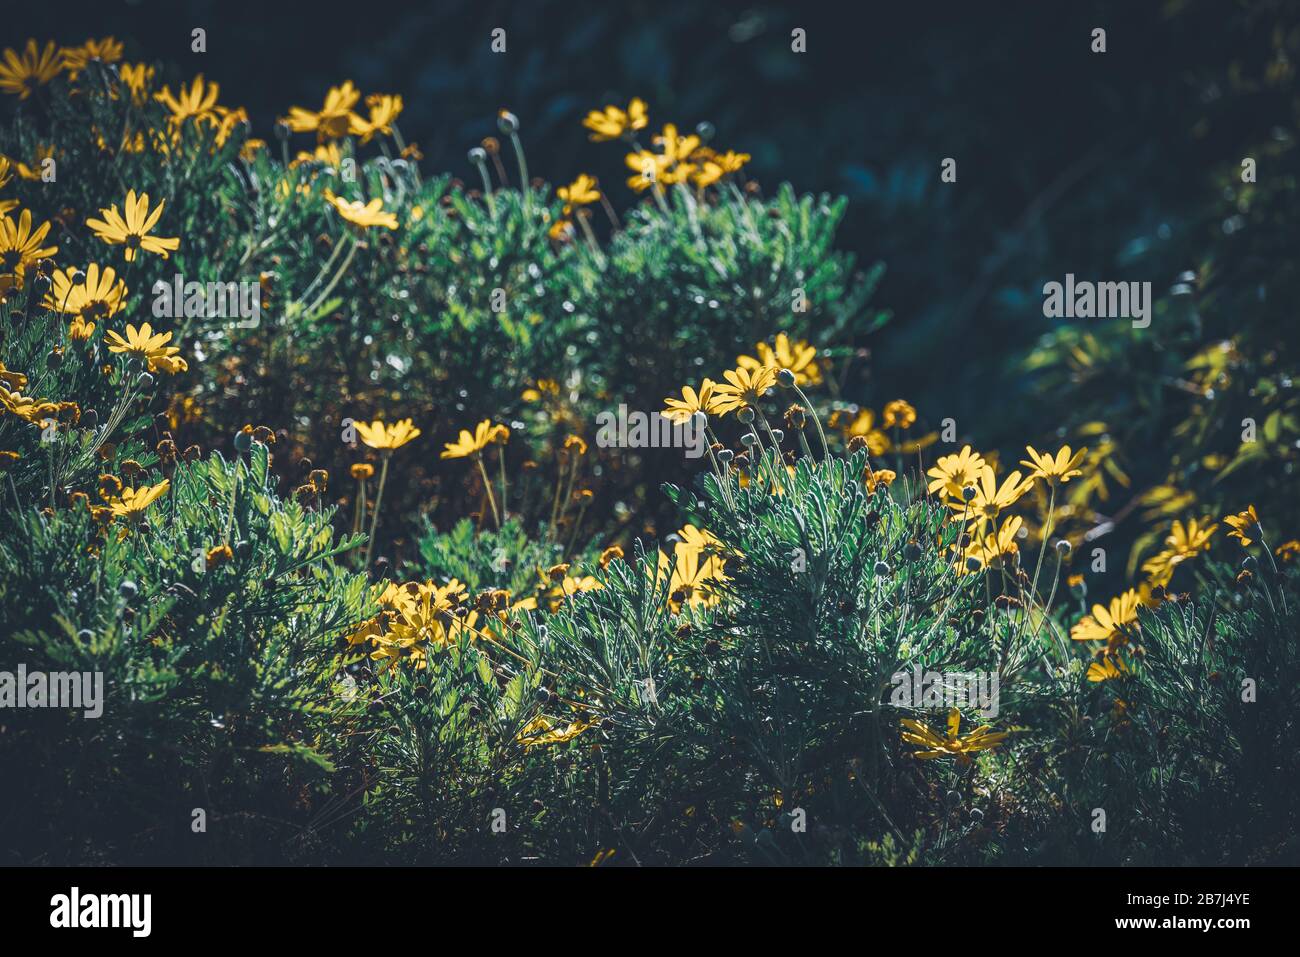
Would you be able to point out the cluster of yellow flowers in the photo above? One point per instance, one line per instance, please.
(1116, 625)
(753, 377)
(678, 160)
(416, 616)
(698, 570)
(336, 119)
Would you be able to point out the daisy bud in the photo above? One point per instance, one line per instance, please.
(969, 493)
(1063, 546)
(507, 122)
(883, 569)
(778, 435)
(243, 441)
(911, 551)
(478, 155)
(144, 380)
(705, 130)
(128, 589)
(725, 456)
(785, 378)
(972, 565)
(749, 439)
(746, 415)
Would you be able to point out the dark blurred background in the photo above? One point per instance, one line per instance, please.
(1068, 161)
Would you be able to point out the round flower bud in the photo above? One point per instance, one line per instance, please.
(911, 551)
(705, 130)
(969, 493)
(725, 456)
(973, 565)
(882, 569)
(128, 589)
(1063, 546)
(778, 435)
(478, 155)
(243, 441)
(507, 122)
(144, 380)
(785, 378)
(749, 439)
(746, 415)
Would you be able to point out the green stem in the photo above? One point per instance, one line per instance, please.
(487, 487)
(379, 499)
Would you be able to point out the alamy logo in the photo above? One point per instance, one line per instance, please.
(946, 689)
(1098, 300)
(637, 430)
(103, 910)
(53, 689)
(208, 300)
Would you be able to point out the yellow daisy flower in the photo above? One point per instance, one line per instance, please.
(743, 388)
(580, 192)
(994, 550)
(138, 78)
(540, 732)
(468, 444)
(683, 410)
(1106, 667)
(133, 502)
(1114, 625)
(953, 743)
(107, 50)
(384, 110)
(952, 473)
(26, 408)
(799, 357)
(148, 346)
(334, 119)
(20, 75)
(1182, 543)
(1053, 469)
(1245, 526)
(99, 295)
(198, 101)
(612, 123)
(990, 497)
(361, 214)
(377, 435)
(20, 245)
(132, 230)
